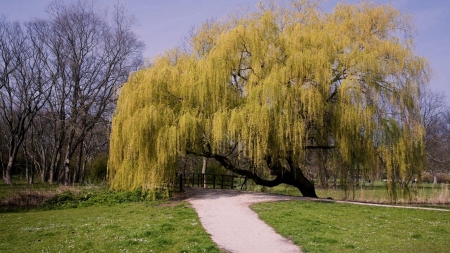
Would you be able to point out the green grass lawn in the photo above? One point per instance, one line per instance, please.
(94, 219)
(130, 227)
(334, 227)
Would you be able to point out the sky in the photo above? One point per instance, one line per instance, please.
(162, 24)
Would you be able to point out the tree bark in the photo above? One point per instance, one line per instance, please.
(67, 169)
(76, 174)
(29, 169)
(8, 174)
(53, 167)
(83, 170)
(205, 161)
(11, 161)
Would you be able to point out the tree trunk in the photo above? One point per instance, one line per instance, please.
(50, 175)
(28, 170)
(323, 177)
(67, 169)
(205, 161)
(43, 168)
(67, 158)
(11, 161)
(4, 173)
(76, 173)
(83, 170)
(14, 146)
(30, 175)
(8, 174)
(54, 166)
(293, 177)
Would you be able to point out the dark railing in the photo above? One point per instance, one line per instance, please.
(206, 180)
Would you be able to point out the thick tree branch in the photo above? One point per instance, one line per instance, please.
(293, 177)
(227, 164)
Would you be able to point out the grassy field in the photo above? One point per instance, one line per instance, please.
(130, 227)
(332, 227)
(94, 219)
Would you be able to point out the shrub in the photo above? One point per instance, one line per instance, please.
(71, 197)
(98, 169)
(25, 199)
(427, 178)
(441, 178)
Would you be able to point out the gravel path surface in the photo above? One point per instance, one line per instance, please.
(234, 227)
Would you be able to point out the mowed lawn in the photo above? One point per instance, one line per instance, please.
(335, 227)
(131, 227)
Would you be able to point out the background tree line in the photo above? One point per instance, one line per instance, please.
(59, 81)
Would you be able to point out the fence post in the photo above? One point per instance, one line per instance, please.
(221, 183)
(214, 181)
(181, 182)
(232, 181)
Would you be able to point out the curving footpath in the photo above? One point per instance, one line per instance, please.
(233, 226)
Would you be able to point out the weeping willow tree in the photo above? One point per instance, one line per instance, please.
(257, 92)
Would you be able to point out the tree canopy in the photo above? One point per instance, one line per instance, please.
(260, 91)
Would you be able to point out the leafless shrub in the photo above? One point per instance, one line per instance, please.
(25, 199)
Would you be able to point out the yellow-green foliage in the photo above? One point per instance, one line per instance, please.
(275, 81)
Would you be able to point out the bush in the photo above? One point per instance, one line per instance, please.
(427, 178)
(69, 199)
(441, 178)
(98, 169)
(26, 199)
(64, 198)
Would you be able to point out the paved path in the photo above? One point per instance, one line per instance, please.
(233, 226)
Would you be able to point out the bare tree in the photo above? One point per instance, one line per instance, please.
(435, 118)
(23, 87)
(88, 60)
(51, 125)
